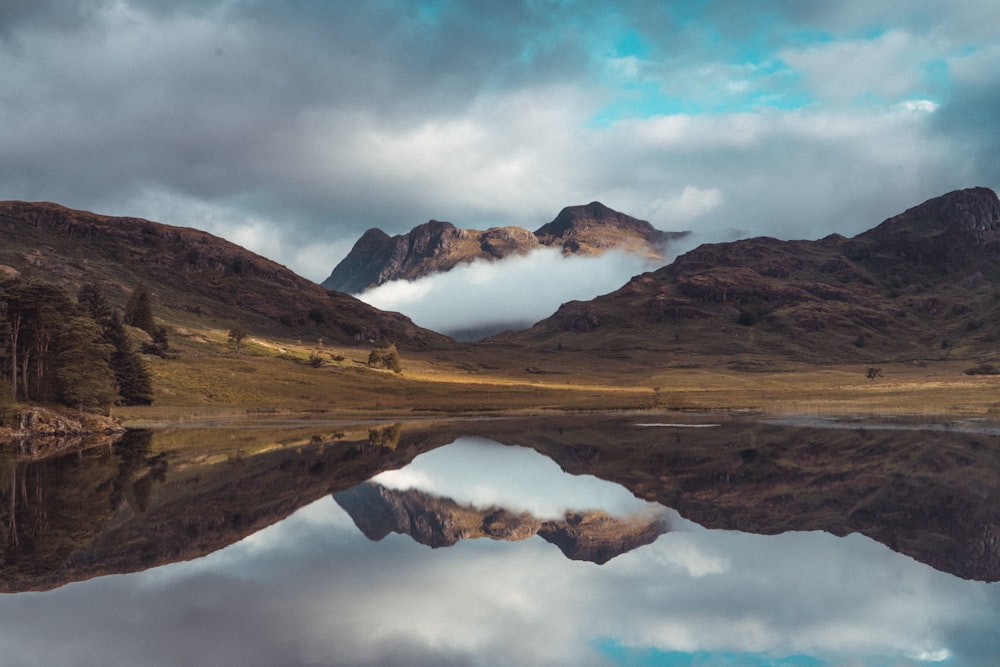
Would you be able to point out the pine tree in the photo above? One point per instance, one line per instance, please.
(98, 307)
(134, 382)
(139, 310)
(83, 369)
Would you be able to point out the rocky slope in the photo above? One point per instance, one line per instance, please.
(922, 284)
(441, 522)
(437, 246)
(195, 277)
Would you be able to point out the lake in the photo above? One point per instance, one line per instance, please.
(586, 540)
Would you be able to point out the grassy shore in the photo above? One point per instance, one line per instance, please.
(204, 379)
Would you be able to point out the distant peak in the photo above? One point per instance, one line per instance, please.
(973, 209)
(594, 213)
(967, 215)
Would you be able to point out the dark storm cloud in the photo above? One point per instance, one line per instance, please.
(293, 127)
(970, 122)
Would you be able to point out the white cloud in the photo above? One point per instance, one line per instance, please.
(513, 292)
(847, 70)
(692, 203)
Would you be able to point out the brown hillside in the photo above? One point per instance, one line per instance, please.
(195, 277)
(921, 285)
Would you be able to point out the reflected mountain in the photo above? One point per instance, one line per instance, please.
(592, 535)
(930, 491)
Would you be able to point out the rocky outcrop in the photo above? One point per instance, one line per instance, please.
(440, 522)
(593, 228)
(944, 234)
(437, 246)
(39, 432)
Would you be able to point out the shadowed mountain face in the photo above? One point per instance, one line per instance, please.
(441, 522)
(438, 246)
(923, 284)
(196, 276)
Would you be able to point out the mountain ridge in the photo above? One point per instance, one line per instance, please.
(436, 246)
(197, 276)
(924, 284)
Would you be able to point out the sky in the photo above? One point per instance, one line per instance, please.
(312, 590)
(291, 128)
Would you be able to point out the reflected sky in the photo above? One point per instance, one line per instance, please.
(313, 591)
(481, 473)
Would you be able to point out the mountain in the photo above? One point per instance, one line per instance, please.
(923, 284)
(437, 246)
(441, 522)
(195, 277)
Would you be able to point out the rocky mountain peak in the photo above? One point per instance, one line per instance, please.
(595, 225)
(437, 246)
(974, 211)
(945, 232)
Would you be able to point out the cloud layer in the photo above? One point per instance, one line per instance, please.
(486, 297)
(293, 127)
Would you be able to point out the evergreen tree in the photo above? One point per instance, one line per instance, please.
(236, 335)
(97, 305)
(139, 314)
(83, 367)
(139, 310)
(134, 382)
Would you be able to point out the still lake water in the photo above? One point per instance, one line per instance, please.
(509, 543)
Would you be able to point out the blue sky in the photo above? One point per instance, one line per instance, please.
(292, 127)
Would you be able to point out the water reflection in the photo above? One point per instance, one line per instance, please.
(312, 589)
(475, 488)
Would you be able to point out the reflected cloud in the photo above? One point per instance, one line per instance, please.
(313, 590)
(483, 473)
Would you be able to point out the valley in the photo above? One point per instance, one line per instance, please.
(901, 319)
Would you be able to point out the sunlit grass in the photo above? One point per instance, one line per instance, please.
(204, 379)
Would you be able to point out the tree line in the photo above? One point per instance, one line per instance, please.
(74, 351)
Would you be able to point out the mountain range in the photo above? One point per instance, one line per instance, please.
(922, 285)
(437, 246)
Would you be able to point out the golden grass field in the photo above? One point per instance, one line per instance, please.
(205, 380)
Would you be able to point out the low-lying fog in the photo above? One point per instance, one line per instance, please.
(482, 298)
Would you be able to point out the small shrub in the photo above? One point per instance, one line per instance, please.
(385, 357)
